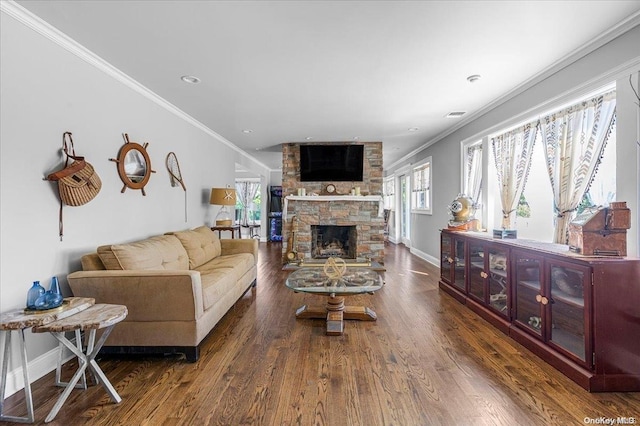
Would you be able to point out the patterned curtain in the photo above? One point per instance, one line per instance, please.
(246, 191)
(473, 177)
(512, 154)
(574, 140)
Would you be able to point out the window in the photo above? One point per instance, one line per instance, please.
(536, 216)
(472, 174)
(421, 191)
(388, 192)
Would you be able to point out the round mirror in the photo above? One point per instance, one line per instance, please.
(134, 165)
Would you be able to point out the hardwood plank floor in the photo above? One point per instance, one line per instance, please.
(427, 360)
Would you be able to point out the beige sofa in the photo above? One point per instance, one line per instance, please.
(176, 288)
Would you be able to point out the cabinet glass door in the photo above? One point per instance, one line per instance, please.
(528, 293)
(568, 320)
(498, 289)
(446, 257)
(459, 269)
(477, 272)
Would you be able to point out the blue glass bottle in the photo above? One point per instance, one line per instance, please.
(33, 294)
(54, 297)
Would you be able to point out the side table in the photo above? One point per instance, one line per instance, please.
(232, 228)
(19, 320)
(93, 319)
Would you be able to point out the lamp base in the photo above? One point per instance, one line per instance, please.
(224, 222)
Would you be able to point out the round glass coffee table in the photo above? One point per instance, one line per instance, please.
(356, 280)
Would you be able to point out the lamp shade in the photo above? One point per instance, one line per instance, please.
(223, 196)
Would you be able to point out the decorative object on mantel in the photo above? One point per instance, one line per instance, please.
(329, 189)
(134, 165)
(223, 197)
(601, 231)
(173, 167)
(462, 211)
(78, 182)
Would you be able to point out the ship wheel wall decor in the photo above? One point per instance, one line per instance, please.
(134, 165)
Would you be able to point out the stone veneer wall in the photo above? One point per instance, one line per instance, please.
(362, 214)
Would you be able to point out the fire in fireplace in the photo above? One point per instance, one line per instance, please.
(333, 241)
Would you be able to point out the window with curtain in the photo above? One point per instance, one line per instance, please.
(572, 166)
(512, 153)
(574, 141)
(388, 192)
(421, 188)
(248, 201)
(472, 174)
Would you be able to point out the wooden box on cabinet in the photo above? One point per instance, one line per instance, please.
(579, 314)
(602, 231)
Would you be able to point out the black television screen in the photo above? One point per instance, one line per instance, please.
(337, 163)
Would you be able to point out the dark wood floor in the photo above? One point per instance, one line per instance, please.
(427, 360)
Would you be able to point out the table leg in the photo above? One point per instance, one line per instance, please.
(85, 360)
(59, 382)
(25, 374)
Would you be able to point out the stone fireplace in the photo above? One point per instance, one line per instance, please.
(358, 216)
(333, 241)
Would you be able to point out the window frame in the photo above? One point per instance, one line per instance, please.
(428, 192)
(388, 198)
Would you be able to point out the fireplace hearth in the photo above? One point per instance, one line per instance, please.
(333, 241)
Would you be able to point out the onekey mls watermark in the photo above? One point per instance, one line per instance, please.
(610, 420)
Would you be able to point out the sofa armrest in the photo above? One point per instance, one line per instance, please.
(236, 246)
(149, 295)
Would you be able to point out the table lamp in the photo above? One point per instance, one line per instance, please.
(223, 197)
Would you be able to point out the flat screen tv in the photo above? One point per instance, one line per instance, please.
(334, 163)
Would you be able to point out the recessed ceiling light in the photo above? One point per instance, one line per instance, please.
(309, 138)
(473, 78)
(190, 79)
(355, 138)
(455, 114)
(247, 131)
(413, 129)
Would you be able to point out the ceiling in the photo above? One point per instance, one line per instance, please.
(293, 71)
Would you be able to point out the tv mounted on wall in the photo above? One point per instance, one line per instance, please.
(335, 163)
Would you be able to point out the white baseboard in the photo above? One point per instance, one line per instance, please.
(38, 368)
(433, 260)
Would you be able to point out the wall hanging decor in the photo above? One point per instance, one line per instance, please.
(78, 182)
(173, 167)
(134, 165)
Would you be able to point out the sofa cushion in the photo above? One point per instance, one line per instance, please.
(160, 252)
(201, 244)
(215, 284)
(108, 259)
(237, 264)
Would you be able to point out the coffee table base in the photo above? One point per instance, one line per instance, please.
(335, 313)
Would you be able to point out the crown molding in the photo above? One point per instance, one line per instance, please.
(25, 17)
(614, 32)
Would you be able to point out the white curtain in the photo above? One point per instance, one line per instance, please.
(574, 140)
(512, 154)
(246, 191)
(473, 177)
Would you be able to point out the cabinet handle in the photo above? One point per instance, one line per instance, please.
(450, 259)
(483, 274)
(538, 298)
(544, 300)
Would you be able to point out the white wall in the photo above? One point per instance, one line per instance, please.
(46, 90)
(614, 61)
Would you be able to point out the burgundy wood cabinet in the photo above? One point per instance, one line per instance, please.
(580, 314)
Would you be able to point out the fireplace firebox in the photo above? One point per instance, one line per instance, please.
(333, 241)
